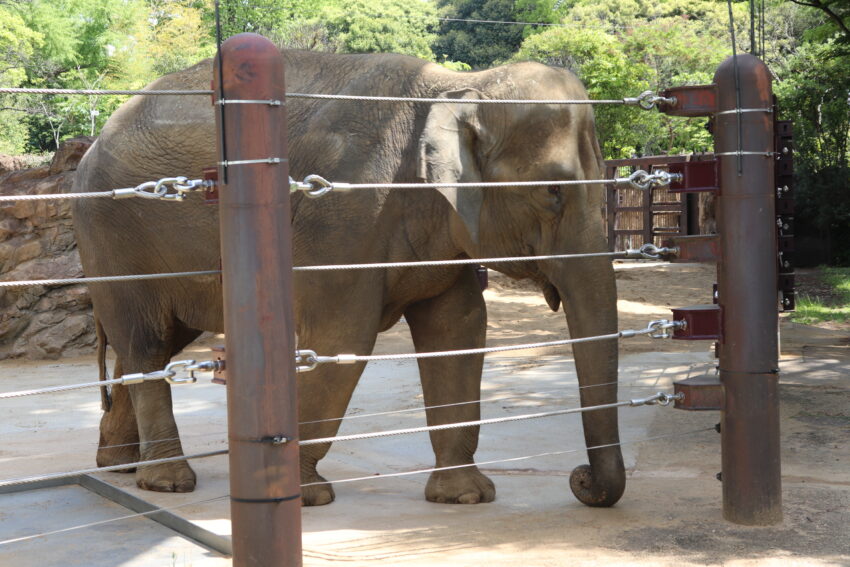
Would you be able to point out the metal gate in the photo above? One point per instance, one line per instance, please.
(637, 216)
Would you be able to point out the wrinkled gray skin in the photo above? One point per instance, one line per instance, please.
(342, 312)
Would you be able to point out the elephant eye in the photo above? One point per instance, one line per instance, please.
(554, 190)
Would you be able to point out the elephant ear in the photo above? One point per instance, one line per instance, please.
(447, 154)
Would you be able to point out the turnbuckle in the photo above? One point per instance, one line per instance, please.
(651, 252)
(659, 399)
(306, 360)
(169, 374)
(643, 180)
(315, 186)
(648, 100)
(160, 189)
(659, 329)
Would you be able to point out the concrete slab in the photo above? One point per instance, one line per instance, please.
(135, 542)
(670, 514)
(58, 432)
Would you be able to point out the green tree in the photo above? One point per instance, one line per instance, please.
(381, 26)
(477, 44)
(178, 35)
(238, 16)
(653, 55)
(17, 45)
(814, 92)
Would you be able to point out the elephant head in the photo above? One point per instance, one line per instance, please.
(465, 142)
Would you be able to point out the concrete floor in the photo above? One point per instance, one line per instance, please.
(670, 514)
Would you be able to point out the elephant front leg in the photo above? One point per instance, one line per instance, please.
(323, 396)
(456, 319)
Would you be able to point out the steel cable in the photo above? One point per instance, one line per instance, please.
(482, 401)
(105, 279)
(98, 92)
(646, 252)
(659, 398)
(57, 196)
(507, 460)
(356, 479)
(118, 519)
(645, 100)
(56, 476)
(307, 360)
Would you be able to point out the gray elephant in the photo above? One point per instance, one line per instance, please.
(148, 322)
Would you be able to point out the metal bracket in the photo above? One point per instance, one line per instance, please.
(701, 393)
(702, 248)
(701, 322)
(783, 132)
(210, 174)
(696, 177)
(697, 100)
(220, 373)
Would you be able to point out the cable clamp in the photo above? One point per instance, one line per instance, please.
(306, 360)
(170, 373)
(180, 186)
(224, 101)
(249, 161)
(659, 329)
(660, 398)
(640, 179)
(648, 100)
(315, 186)
(651, 252)
(744, 110)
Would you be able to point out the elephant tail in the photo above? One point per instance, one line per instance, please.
(103, 373)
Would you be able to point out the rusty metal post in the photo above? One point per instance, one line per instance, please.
(256, 248)
(752, 489)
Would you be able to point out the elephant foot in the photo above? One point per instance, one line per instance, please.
(460, 486)
(167, 477)
(318, 494)
(108, 456)
(593, 492)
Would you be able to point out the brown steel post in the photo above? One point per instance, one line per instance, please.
(752, 488)
(256, 249)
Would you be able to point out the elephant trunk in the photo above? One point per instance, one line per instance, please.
(588, 291)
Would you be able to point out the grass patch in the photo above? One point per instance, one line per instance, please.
(835, 307)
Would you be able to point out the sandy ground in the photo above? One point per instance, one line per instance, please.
(670, 514)
(517, 312)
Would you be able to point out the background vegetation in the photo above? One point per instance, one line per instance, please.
(618, 48)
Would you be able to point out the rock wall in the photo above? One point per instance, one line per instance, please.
(37, 242)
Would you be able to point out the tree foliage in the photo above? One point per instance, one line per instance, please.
(477, 44)
(814, 92)
(619, 48)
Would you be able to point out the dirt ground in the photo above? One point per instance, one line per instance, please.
(517, 312)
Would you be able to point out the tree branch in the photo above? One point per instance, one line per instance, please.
(818, 5)
(30, 111)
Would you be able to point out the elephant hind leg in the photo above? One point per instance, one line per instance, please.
(456, 319)
(119, 433)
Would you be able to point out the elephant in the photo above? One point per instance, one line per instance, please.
(148, 322)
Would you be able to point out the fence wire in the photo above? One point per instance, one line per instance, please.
(356, 479)
(646, 100)
(659, 398)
